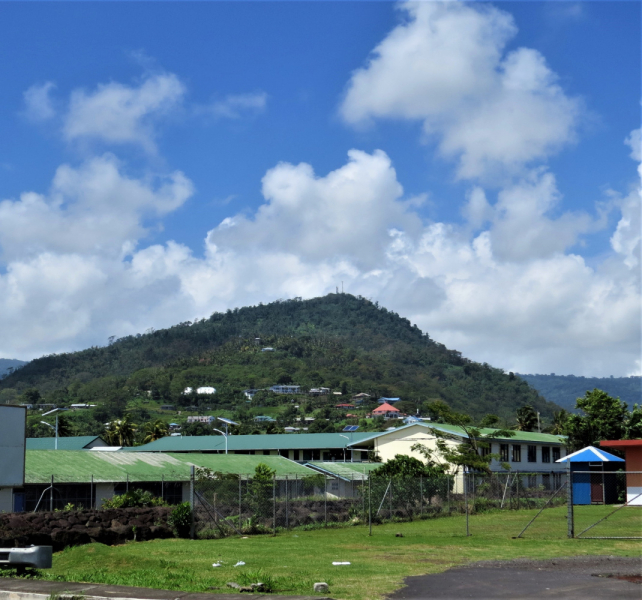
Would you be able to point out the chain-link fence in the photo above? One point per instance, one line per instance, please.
(606, 504)
(225, 505)
(60, 492)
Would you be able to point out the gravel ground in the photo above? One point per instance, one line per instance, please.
(575, 578)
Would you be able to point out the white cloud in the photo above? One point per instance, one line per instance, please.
(467, 288)
(121, 114)
(235, 106)
(445, 65)
(635, 143)
(93, 209)
(38, 103)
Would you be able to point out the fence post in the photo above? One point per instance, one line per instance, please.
(191, 502)
(421, 496)
(240, 506)
(51, 495)
(91, 492)
(466, 501)
(127, 482)
(369, 506)
(569, 500)
(274, 504)
(325, 499)
(448, 492)
(287, 514)
(163, 487)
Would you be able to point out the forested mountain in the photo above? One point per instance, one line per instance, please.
(565, 389)
(338, 341)
(8, 364)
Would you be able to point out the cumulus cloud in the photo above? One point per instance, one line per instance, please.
(446, 66)
(465, 286)
(38, 103)
(95, 208)
(116, 113)
(634, 142)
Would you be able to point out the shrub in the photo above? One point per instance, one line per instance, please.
(134, 499)
(180, 519)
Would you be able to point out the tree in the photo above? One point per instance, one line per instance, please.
(603, 418)
(526, 418)
(321, 426)
(197, 429)
(121, 432)
(634, 424)
(489, 420)
(560, 419)
(155, 431)
(408, 466)
(261, 490)
(470, 448)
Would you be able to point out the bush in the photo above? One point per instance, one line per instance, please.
(134, 499)
(180, 519)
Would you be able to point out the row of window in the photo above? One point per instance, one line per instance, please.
(515, 455)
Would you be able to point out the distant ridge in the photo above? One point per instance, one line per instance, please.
(9, 363)
(565, 389)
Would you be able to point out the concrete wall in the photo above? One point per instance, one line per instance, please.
(104, 491)
(6, 499)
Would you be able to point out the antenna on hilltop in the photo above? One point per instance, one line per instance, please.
(337, 289)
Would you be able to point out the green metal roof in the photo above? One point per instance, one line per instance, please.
(72, 466)
(345, 470)
(281, 441)
(64, 443)
(520, 436)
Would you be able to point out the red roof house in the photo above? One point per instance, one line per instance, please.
(386, 410)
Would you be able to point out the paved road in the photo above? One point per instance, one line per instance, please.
(581, 578)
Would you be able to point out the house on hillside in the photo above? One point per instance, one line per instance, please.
(321, 391)
(387, 411)
(286, 389)
(384, 400)
(200, 419)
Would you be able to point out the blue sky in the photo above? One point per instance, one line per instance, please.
(144, 174)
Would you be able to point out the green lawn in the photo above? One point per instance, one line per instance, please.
(294, 560)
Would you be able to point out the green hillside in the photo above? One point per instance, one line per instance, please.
(339, 341)
(565, 389)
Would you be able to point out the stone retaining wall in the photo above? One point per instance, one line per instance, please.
(76, 527)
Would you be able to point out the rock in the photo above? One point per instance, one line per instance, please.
(398, 534)
(321, 586)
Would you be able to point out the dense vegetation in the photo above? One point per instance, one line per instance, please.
(341, 342)
(564, 389)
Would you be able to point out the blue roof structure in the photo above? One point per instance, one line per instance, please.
(590, 454)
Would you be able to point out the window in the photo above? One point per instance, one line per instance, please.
(266, 453)
(517, 453)
(556, 454)
(532, 454)
(307, 455)
(546, 454)
(296, 455)
(485, 449)
(532, 480)
(503, 452)
(546, 482)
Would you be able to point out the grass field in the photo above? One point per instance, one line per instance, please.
(292, 561)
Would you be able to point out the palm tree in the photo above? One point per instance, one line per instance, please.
(526, 418)
(559, 422)
(155, 431)
(121, 432)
